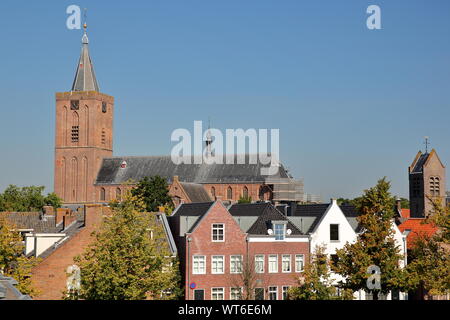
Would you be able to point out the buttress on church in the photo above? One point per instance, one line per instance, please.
(87, 172)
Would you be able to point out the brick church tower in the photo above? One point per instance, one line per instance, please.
(83, 133)
(426, 179)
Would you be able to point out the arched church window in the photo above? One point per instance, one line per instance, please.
(245, 192)
(102, 194)
(213, 193)
(118, 194)
(229, 193)
(75, 128)
(435, 188)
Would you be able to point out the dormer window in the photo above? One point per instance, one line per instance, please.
(279, 229)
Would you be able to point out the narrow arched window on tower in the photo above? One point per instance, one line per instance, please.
(102, 194)
(229, 193)
(103, 136)
(75, 128)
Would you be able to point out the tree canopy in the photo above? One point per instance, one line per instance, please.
(128, 259)
(153, 192)
(22, 199)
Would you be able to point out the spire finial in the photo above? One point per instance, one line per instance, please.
(426, 143)
(85, 19)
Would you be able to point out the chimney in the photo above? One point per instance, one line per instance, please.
(333, 201)
(398, 205)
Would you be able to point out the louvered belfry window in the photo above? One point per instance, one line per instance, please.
(75, 133)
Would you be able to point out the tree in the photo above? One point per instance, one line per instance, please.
(154, 192)
(243, 199)
(375, 246)
(128, 259)
(27, 199)
(316, 282)
(13, 262)
(429, 266)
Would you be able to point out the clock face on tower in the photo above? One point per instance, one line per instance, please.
(74, 104)
(104, 107)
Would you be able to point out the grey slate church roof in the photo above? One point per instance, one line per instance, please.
(85, 79)
(138, 167)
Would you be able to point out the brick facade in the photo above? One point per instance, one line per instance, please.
(49, 276)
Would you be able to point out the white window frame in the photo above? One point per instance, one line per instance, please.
(283, 235)
(276, 292)
(284, 289)
(240, 293)
(276, 263)
(263, 262)
(233, 260)
(218, 288)
(193, 264)
(282, 263)
(213, 259)
(297, 262)
(212, 232)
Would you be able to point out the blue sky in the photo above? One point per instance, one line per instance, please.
(352, 104)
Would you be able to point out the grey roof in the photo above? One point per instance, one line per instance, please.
(8, 291)
(36, 221)
(192, 209)
(196, 192)
(85, 79)
(139, 167)
(418, 167)
(307, 216)
(263, 213)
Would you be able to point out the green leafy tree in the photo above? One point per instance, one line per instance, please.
(153, 192)
(316, 282)
(375, 245)
(429, 266)
(128, 259)
(27, 199)
(13, 262)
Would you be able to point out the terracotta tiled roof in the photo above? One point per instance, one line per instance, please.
(417, 227)
(406, 213)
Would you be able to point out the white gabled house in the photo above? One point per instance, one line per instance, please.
(332, 226)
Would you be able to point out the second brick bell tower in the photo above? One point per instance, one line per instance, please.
(83, 133)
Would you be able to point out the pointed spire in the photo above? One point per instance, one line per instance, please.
(85, 76)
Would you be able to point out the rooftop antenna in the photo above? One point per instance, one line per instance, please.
(427, 143)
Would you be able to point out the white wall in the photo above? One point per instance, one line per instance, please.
(40, 242)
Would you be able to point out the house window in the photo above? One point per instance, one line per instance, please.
(217, 264)
(199, 265)
(217, 293)
(259, 293)
(199, 294)
(75, 133)
(102, 194)
(236, 264)
(299, 262)
(236, 294)
(279, 229)
(259, 263)
(218, 232)
(229, 193)
(286, 263)
(334, 232)
(285, 290)
(273, 293)
(118, 194)
(273, 263)
(245, 192)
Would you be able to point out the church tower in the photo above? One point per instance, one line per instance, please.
(83, 133)
(426, 179)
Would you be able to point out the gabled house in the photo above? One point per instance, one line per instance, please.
(220, 248)
(332, 226)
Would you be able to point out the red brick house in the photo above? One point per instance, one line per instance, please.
(220, 247)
